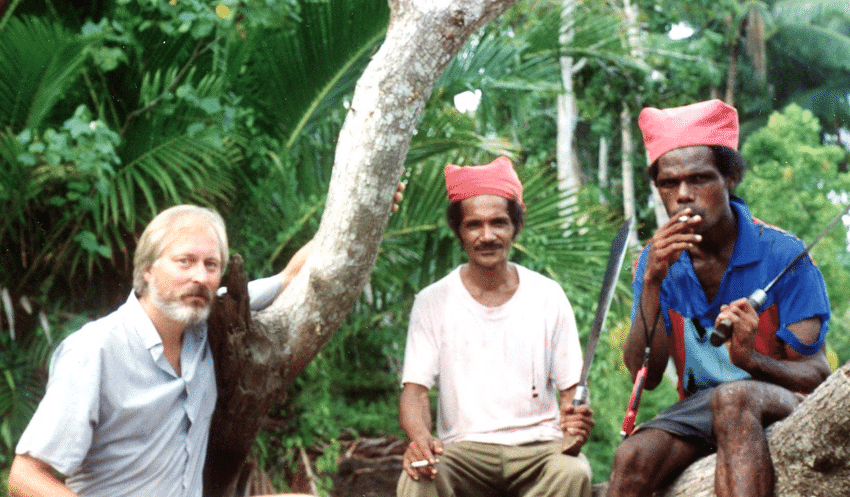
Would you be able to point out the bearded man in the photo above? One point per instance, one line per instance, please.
(130, 396)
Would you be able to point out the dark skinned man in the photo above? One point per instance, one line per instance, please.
(697, 271)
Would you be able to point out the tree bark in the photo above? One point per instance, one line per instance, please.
(810, 448)
(569, 172)
(261, 357)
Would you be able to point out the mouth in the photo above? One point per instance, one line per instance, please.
(198, 296)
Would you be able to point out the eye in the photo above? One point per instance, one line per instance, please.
(701, 179)
(666, 183)
(212, 265)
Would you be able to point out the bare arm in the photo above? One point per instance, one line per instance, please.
(667, 245)
(30, 477)
(415, 416)
(797, 372)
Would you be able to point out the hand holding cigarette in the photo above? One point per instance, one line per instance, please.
(422, 463)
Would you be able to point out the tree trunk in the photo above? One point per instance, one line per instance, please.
(636, 50)
(629, 208)
(810, 448)
(569, 172)
(261, 357)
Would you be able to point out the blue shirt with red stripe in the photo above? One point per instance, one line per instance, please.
(761, 252)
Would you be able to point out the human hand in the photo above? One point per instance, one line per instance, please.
(422, 449)
(577, 421)
(669, 241)
(398, 196)
(745, 322)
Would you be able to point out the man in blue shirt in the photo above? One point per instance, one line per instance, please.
(130, 397)
(697, 271)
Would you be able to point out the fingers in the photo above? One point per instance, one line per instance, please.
(739, 312)
(420, 458)
(668, 242)
(577, 421)
(398, 196)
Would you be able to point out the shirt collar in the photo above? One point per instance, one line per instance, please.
(746, 246)
(146, 330)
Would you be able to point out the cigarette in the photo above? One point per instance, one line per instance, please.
(682, 219)
(422, 463)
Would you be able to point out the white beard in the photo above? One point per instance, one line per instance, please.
(174, 309)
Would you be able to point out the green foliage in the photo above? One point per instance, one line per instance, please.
(794, 182)
(114, 110)
(21, 387)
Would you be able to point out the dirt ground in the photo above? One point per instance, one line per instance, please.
(366, 468)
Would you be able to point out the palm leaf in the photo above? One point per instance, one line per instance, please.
(39, 61)
(298, 76)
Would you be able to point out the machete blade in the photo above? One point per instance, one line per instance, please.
(571, 444)
(609, 283)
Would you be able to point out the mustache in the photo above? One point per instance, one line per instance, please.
(198, 291)
(489, 246)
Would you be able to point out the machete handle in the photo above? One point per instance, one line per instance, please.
(634, 403)
(723, 331)
(571, 444)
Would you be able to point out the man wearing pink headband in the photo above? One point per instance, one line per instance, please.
(695, 273)
(501, 342)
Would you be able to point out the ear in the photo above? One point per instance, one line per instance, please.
(519, 229)
(732, 183)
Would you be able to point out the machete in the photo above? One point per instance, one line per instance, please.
(723, 331)
(571, 443)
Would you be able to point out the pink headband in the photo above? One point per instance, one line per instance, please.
(705, 123)
(495, 178)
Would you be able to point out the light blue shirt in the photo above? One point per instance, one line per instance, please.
(116, 418)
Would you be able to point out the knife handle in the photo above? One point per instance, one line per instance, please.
(634, 403)
(571, 444)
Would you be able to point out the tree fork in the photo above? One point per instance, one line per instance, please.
(258, 357)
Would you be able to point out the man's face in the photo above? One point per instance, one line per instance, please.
(486, 230)
(687, 177)
(183, 281)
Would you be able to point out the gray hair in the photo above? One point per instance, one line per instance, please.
(150, 245)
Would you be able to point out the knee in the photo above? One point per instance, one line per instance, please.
(569, 468)
(733, 402)
(632, 459)
(408, 487)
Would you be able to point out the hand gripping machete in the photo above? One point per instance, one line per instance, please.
(571, 443)
(723, 331)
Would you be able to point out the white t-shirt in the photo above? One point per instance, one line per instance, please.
(499, 369)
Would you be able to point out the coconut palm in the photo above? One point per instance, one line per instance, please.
(809, 59)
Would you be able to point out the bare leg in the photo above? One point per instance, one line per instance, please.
(741, 409)
(648, 460)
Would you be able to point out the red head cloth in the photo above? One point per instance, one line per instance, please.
(704, 123)
(496, 178)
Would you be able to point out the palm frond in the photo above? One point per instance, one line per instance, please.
(324, 55)
(816, 45)
(39, 61)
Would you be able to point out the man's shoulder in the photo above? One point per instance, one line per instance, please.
(442, 285)
(99, 333)
(780, 243)
(538, 281)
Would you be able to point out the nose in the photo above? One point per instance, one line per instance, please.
(200, 274)
(684, 192)
(488, 233)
